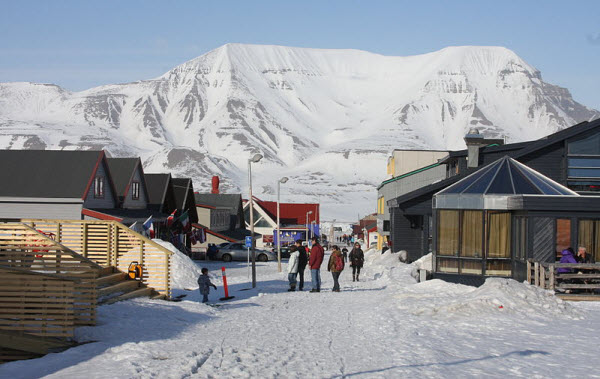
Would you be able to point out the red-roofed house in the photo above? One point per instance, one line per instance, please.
(293, 217)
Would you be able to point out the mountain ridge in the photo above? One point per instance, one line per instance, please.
(324, 117)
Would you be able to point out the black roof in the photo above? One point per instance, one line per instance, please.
(129, 216)
(428, 189)
(220, 200)
(506, 176)
(122, 171)
(181, 188)
(517, 150)
(157, 186)
(48, 173)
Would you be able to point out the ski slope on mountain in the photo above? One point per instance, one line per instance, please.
(324, 118)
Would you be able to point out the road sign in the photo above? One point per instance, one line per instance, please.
(248, 241)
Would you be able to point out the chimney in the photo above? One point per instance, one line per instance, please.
(474, 141)
(215, 184)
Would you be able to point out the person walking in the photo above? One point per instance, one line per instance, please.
(336, 266)
(315, 260)
(357, 258)
(293, 268)
(204, 284)
(302, 262)
(345, 254)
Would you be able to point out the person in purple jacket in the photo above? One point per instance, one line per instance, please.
(568, 256)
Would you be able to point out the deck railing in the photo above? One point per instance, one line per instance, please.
(110, 243)
(24, 248)
(581, 276)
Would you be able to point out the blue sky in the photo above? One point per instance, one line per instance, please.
(81, 44)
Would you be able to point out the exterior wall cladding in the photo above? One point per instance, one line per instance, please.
(408, 184)
(106, 202)
(140, 203)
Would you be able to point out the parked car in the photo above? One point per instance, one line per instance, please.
(285, 252)
(238, 252)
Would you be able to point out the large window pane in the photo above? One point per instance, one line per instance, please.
(447, 232)
(499, 235)
(472, 234)
(589, 237)
(447, 265)
(563, 234)
(584, 172)
(584, 162)
(470, 267)
(498, 268)
(587, 146)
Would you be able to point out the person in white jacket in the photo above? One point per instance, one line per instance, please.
(293, 267)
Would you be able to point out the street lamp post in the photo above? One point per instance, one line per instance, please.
(307, 213)
(254, 159)
(282, 180)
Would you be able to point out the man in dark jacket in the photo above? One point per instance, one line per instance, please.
(316, 259)
(302, 261)
(357, 258)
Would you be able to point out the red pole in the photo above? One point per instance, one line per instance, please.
(225, 282)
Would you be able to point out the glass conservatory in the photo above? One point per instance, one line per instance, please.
(490, 222)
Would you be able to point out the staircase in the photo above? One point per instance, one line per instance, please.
(114, 285)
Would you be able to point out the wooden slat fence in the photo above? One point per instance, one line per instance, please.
(36, 304)
(110, 243)
(25, 248)
(582, 276)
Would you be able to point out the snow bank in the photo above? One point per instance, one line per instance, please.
(423, 263)
(387, 268)
(184, 272)
(436, 298)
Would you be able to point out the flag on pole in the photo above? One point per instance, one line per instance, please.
(171, 218)
(149, 227)
(185, 220)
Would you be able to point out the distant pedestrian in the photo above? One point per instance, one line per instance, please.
(336, 266)
(315, 260)
(293, 268)
(357, 259)
(302, 262)
(204, 284)
(345, 254)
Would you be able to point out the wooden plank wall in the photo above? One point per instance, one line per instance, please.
(110, 243)
(36, 304)
(22, 247)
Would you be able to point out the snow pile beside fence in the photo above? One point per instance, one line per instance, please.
(386, 268)
(184, 272)
(436, 298)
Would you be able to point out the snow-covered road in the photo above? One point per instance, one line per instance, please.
(383, 326)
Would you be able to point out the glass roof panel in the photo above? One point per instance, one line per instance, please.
(502, 182)
(482, 183)
(461, 185)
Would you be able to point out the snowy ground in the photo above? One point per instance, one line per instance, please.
(384, 326)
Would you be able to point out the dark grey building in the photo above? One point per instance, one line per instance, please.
(54, 184)
(571, 157)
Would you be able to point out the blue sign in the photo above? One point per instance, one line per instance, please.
(249, 241)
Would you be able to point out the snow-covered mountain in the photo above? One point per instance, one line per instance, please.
(324, 118)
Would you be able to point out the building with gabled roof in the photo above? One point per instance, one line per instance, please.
(54, 183)
(128, 176)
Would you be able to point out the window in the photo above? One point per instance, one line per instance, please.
(563, 234)
(589, 237)
(584, 164)
(472, 234)
(448, 232)
(135, 190)
(99, 187)
(460, 242)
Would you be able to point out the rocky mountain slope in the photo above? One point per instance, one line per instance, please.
(325, 118)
